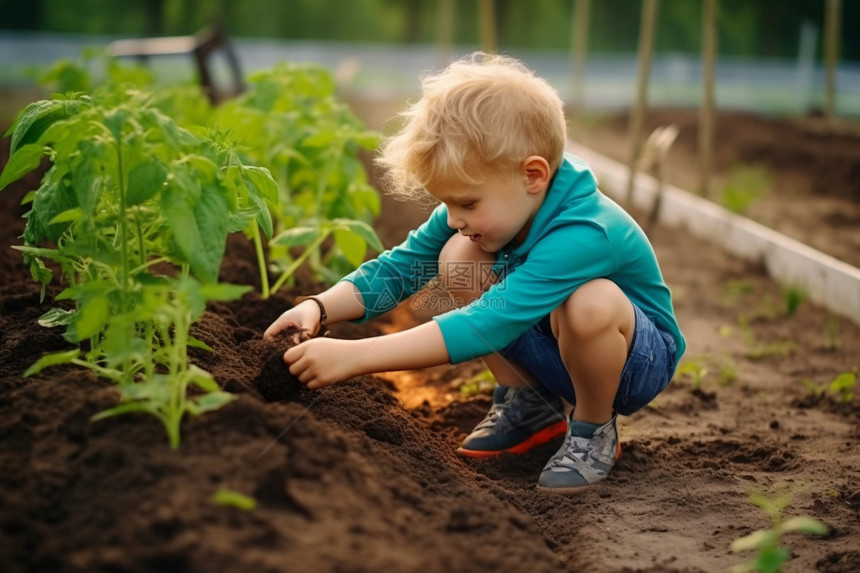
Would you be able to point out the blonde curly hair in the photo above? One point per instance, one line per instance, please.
(480, 114)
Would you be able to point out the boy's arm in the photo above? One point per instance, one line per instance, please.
(323, 361)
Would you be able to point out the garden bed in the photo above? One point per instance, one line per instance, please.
(362, 476)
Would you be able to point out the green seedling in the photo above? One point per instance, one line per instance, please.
(696, 370)
(228, 497)
(744, 186)
(793, 297)
(843, 387)
(770, 554)
(727, 372)
(481, 383)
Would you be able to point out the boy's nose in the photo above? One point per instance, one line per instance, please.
(455, 222)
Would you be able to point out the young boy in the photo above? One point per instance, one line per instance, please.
(560, 290)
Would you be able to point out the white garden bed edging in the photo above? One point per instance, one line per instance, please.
(826, 280)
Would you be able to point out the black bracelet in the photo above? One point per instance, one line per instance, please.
(323, 331)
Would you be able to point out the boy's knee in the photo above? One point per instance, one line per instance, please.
(464, 267)
(593, 308)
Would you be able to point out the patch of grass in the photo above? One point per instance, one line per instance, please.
(745, 185)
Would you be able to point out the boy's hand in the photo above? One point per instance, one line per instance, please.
(304, 318)
(323, 361)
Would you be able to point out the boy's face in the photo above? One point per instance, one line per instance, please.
(499, 210)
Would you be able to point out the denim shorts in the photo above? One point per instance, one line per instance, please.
(650, 363)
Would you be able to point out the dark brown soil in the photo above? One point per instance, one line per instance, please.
(362, 476)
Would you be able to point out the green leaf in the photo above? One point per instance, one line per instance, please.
(361, 229)
(352, 245)
(57, 317)
(771, 559)
(21, 162)
(198, 216)
(36, 118)
(223, 291)
(209, 402)
(53, 359)
(145, 181)
(296, 236)
(88, 175)
(755, 540)
(92, 317)
(197, 343)
(115, 120)
(67, 216)
(230, 498)
(202, 379)
(805, 525)
(126, 408)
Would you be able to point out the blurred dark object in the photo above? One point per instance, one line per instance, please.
(203, 46)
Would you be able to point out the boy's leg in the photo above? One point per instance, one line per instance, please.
(523, 415)
(594, 328)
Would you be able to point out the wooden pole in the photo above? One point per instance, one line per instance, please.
(446, 29)
(831, 55)
(637, 120)
(579, 47)
(710, 11)
(487, 24)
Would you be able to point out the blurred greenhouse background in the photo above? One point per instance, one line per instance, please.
(770, 52)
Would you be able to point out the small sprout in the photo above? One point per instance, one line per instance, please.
(230, 498)
(770, 554)
(794, 297)
(843, 387)
(481, 383)
(696, 370)
(744, 186)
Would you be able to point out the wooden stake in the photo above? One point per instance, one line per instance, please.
(832, 27)
(710, 10)
(487, 25)
(646, 37)
(446, 29)
(579, 49)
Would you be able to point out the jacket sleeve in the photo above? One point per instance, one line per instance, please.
(402, 271)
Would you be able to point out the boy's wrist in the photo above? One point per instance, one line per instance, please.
(316, 306)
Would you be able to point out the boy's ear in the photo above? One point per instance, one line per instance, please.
(537, 173)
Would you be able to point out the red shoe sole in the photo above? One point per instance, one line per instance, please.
(538, 439)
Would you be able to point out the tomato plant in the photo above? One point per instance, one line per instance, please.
(128, 192)
(291, 121)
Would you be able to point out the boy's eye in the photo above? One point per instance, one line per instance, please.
(468, 205)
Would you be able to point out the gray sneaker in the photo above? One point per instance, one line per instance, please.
(583, 460)
(520, 419)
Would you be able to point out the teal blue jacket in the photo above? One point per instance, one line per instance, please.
(577, 235)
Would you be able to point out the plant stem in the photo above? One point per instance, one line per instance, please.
(300, 259)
